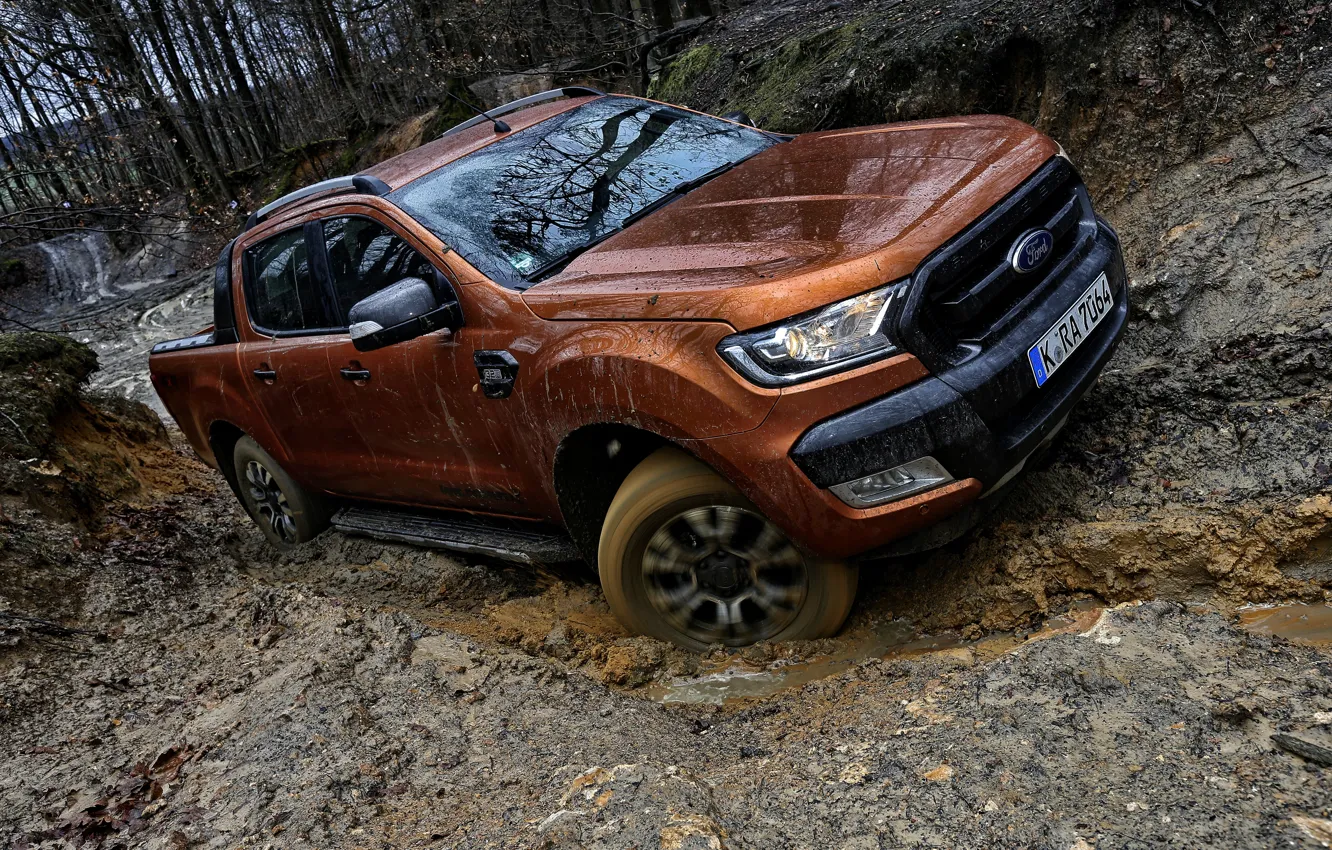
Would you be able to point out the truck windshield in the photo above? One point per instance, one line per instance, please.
(521, 208)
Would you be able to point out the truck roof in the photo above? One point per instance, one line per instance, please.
(402, 169)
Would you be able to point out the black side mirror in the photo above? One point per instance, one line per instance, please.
(403, 311)
(740, 117)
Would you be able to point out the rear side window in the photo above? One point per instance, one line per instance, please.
(282, 294)
(364, 256)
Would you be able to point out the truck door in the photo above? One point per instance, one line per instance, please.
(413, 403)
(285, 361)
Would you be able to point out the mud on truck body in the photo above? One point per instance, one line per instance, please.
(721, 365)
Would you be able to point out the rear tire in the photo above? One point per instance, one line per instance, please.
(285, 512)
(685, 557)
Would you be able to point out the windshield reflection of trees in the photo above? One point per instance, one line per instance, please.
(579, 183)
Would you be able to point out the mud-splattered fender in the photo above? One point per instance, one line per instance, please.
(662, 377)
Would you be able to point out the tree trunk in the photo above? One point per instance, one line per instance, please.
(111, 29)
(248, 104)
(661, 15)
(165, 47)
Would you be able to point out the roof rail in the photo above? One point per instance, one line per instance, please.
(523, 103)
(363, 183)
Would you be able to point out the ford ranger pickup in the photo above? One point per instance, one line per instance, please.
(724, 366)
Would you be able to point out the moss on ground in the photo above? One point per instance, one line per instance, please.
(40, 375)
(449, 113)
(55, 352)
(777, 94)
(679, 80)
(64, 452)
(305, 164)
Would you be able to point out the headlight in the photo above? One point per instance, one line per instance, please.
(830, 339)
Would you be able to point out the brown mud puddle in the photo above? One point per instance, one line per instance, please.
(1308, 623)
(736, 680)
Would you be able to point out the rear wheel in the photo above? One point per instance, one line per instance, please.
(285, 512)
(685, 557)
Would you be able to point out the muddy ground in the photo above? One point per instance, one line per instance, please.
(166, 680)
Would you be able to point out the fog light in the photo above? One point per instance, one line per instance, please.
(897, 483)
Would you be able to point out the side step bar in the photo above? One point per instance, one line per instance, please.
(473, 535)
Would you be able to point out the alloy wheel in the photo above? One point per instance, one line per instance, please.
(270, 501)
(723, 574)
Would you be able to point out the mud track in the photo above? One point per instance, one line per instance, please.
(184, 686)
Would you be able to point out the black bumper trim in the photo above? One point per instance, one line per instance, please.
(981, 418)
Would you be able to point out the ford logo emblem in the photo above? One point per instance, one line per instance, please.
(1031, 250)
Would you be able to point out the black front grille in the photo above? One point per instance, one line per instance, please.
(966, 294)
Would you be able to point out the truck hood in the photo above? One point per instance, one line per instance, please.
(802, 224)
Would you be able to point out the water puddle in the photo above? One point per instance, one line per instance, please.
(1301, 623)
(737, 679)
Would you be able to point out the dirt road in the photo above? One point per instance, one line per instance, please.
(1087, 683)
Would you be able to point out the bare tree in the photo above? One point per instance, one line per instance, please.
(110, 103)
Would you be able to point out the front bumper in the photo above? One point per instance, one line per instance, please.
(981, 419)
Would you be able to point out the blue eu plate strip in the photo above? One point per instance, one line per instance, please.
(1037, 366)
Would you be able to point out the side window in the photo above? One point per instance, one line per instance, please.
(364, 256)
(282, 294)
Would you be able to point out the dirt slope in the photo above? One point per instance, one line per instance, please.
(183, 685)
(1129, 88)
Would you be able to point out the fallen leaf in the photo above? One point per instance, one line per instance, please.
(853, 774)
(942, 773)
(1180, 229)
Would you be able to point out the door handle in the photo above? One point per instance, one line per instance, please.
(266, 375)
(351, 374)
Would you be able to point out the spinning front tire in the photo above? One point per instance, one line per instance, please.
(685, 557)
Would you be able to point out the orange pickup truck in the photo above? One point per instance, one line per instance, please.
(722, 365)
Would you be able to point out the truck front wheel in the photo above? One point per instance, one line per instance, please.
(285, 512)
(685, 557)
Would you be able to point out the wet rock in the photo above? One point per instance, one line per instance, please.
(853, 774)
(453, 660)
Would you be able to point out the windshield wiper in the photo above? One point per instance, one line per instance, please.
(679, 191)
(557, 263)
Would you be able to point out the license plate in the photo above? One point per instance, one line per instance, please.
(1053, 350)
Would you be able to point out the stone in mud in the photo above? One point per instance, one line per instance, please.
(942, 773)
(632, 662)
(454, 662)
(637, 805)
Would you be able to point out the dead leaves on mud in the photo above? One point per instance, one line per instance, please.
(126, 809)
